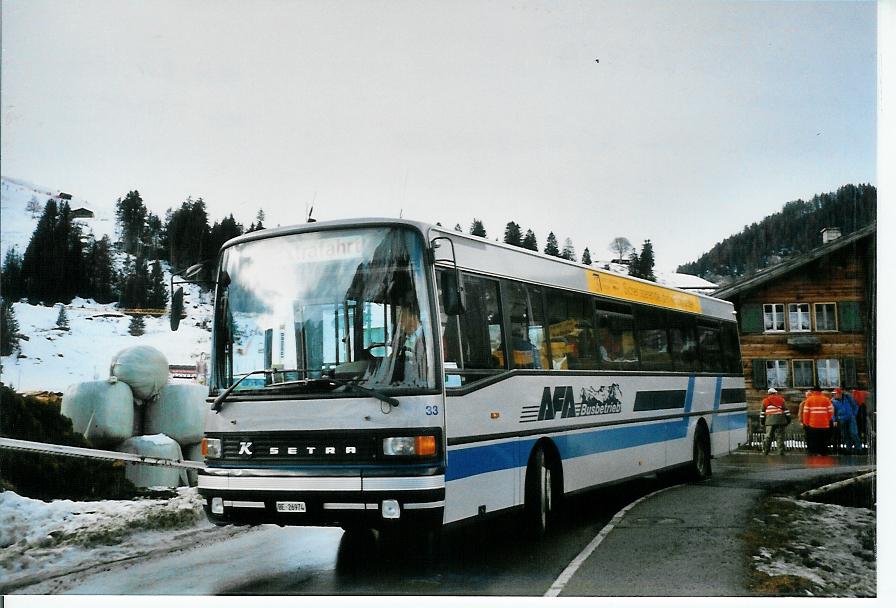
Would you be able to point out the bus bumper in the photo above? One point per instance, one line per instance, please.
(257, 496)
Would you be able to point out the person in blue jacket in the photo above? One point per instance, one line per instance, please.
(845, 412)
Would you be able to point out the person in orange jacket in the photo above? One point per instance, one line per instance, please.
(776, 416)
(817, 416)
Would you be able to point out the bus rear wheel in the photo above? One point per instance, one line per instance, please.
(701, 463)
(539, 507)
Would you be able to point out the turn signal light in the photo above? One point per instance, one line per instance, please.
(425, 445)
(211, 448)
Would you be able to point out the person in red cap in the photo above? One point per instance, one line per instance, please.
(817, 416)
(776, 419)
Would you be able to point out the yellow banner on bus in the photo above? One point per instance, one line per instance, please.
(636, 291)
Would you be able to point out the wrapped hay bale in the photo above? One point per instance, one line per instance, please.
(143, 368)
(193, 452)
(147, 476)
(101, 411)
(179, 412)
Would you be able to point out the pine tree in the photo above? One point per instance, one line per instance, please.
(646, 262)
(11, 276)
(569, 252)
(39, 270)
(530, 242)
(135, 287)
(551, 247)
(477, 229)
(634, 263)
(512, 234)
(260, 217)
(130, 213)
(158, 291)
(586, 257)
(137, 326)
(187, 234)
(100, 272)
(62, 319)
(9, 328)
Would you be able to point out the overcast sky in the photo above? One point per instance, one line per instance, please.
(699, 117)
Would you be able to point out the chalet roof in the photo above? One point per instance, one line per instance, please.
(773, 272)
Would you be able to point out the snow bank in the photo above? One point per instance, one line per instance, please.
(39, 537)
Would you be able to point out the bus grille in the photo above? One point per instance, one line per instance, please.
(307, 447)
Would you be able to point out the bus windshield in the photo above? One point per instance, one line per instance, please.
(350, 305)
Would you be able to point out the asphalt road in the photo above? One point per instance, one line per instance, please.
(493, 558)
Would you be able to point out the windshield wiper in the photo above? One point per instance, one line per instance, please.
(219, 400)
(362, 389)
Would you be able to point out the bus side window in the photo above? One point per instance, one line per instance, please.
(683, 342)
(616, 336)
(572, 332)
(710, 347)
(475, 339)
(731, 348)
(528, 342)
(450, 339)
(653, 339)
(481, 332)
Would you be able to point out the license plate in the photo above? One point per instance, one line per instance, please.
(290, 507)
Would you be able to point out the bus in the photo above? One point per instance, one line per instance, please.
(395, 375)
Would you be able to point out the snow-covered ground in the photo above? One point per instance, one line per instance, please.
(41, 539)
(831, 546)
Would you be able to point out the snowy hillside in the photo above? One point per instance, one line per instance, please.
(17, 223)
(53, 359)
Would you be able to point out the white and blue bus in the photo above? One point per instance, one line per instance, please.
(392, 374)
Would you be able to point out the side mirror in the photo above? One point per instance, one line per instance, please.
(453, 296)
(193, 271)
(177, 308)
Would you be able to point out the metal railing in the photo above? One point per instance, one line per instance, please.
(7, 443)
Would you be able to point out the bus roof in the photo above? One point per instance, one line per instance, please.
(477, 254)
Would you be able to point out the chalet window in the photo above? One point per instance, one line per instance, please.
(777, 371)
(799, 317)
(774, 317)
(828, 372)
(826, 316)
(802, 373)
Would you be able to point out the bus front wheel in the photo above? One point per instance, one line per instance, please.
(539, 505)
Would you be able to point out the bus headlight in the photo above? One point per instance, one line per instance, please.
(211, 448)
(420, 445)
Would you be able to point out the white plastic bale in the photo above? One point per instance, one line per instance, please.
(193, 452)
(101, 411)
(143, 368)
(179, 412)
(153, 476)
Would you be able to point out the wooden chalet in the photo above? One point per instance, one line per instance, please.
(809, 320)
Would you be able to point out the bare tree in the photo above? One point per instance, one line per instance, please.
(34, 207)
(621, 246)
